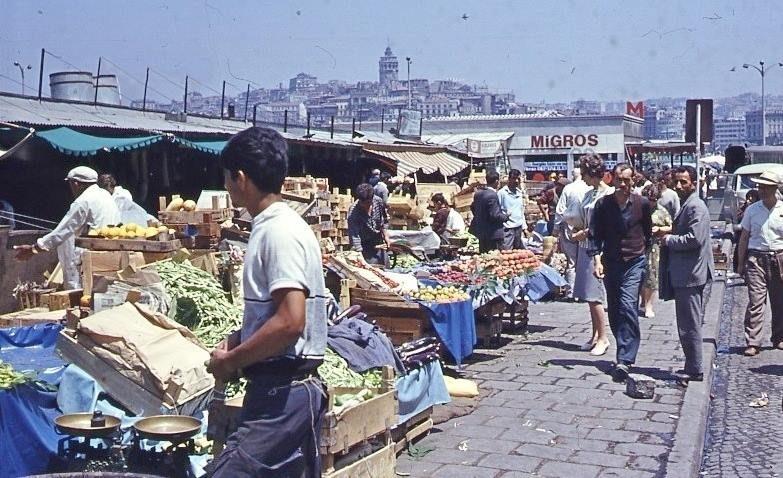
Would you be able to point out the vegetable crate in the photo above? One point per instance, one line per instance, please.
(379, 464)
(137, 245)
(199, 216)
(343, 431)
(416, 427)
(403, 321)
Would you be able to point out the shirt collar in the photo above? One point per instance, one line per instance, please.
(271, 211)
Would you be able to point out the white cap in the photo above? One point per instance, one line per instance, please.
(82, 174)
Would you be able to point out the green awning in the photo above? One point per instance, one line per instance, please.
(75, 143)
(212, 147)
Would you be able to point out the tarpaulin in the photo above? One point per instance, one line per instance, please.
(455, 326)
(75, 143)
(28, 441)
(420, 389)
(212, 147)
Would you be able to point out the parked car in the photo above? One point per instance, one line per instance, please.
(740, 183)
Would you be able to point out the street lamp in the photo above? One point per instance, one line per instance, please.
(762, 71)
(21, 70)
(408, 59)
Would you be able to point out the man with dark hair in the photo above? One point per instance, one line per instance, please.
(620, 234)
(382, 188)
(669, 199)
(488, 218)
(283, 336)
(688, 253)
(512, 203)
(367, 223)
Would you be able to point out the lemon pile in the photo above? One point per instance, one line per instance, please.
(129, 231)
(440, 294)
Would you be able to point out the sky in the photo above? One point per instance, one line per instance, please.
(540, 50)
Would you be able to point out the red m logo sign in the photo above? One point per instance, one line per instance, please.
(635, 109)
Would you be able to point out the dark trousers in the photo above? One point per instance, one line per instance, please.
(623, 281)
(512, 239)
(278, 434)
(689, 306)
(489, 244)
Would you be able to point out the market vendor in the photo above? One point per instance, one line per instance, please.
(367, 225)
(283, 337)
(92, 208)
(129, 210)
(446, 222)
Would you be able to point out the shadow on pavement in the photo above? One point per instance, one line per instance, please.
(769, 370)
(606, 367)
(556, 344)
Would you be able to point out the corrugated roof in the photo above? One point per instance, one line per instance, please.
(410, 159)
(55, 113)
(458, 139)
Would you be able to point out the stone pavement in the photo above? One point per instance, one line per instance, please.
(741, 440)
(551, 410)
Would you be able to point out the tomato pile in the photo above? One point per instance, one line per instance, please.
(502, 264)
(452, 277)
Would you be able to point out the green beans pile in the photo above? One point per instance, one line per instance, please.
(200, 303)
(335, 372)
(10, 378)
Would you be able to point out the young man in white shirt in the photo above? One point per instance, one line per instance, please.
(283, 336)
(759, 259)
(92, 208)
(512, 203)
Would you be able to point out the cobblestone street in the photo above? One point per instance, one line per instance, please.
(743, 441)
(550, 410)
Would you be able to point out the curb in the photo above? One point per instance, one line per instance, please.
(690, 434)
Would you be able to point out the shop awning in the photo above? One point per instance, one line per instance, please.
(212, 147)
(75, 143)
(411, 159)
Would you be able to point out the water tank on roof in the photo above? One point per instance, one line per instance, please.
(72, 85)
(108, 89)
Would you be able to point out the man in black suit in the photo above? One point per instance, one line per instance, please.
(488, 218)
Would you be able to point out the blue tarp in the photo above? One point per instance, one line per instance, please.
(28, 440)
(212, 147)
(75, 143)
(420, 389)
(455, 326)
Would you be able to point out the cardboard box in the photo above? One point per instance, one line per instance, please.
(107, 263)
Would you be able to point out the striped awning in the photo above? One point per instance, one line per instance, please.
(410, 159)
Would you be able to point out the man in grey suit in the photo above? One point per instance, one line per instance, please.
(688, 253)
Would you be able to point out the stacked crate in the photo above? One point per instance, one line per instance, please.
(200, 228)
(340, 205)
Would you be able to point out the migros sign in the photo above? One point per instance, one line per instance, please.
(563, 141)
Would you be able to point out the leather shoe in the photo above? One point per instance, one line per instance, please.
(685, 379)
(751, 351)
(620, 373)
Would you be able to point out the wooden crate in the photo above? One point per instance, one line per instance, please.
(412, 429)
(34, 298)
(488, 330)
(199, 216)
(134, 397)
(401, 320)
(62, 300)
(380, 464)
(138, 245)
(37, 315)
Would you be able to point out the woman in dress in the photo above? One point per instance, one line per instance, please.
(661, 221)
(587, 287)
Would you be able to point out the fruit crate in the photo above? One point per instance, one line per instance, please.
(198, 216)
(401, 320)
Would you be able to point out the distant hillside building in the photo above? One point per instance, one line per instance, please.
(774, 127)
(388, 67)
(302, 83)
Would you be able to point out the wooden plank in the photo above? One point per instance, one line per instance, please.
(130, 394)
(194, 217)
(380, 464)
(38, 315)
(414, 433)
(138, 245)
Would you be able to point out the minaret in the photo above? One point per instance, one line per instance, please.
(387, 69)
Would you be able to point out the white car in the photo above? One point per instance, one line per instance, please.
(740, 183)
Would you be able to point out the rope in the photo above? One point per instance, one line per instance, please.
(3, 216)
(30, 217)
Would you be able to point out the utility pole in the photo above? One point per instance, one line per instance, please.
(97, 81)
(146, 83)
(40, 75)
(408, 59)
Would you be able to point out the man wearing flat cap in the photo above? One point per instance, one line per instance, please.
(92, 208)
(760, 259)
